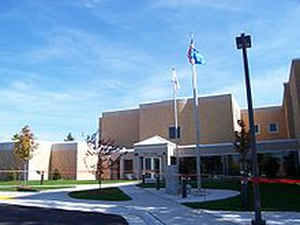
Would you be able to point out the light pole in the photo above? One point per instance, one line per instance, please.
(243, 42)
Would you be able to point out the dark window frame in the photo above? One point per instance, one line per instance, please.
(273, 125)
(172, 132)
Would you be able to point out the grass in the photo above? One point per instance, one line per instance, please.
(206, 184)
(106, 194)
(150, 185)
(33, 189)
(62, 182)
(274, 197)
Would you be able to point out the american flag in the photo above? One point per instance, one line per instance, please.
(193, 55)
(190, 52)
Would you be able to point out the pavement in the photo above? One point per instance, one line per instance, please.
(148, 207)
(22, 215)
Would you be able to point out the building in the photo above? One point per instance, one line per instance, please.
(149, 131)
(68, 160)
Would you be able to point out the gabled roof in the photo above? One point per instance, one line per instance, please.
(155, 140)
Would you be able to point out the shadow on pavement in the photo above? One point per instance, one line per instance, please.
(19, 215)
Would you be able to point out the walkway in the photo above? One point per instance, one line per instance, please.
(147, 208)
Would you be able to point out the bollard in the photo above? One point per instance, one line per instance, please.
(42, 178)
(184, 194)
(143, 178)
(157, 182)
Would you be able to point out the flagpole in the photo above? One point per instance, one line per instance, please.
(175, 106)
(197, 126)
(175, 88)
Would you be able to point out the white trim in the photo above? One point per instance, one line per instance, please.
(155, 140)
(205, 145)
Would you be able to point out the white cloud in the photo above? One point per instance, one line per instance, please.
(89, 3)
(267, 88)
(89, 50)
(231, 5)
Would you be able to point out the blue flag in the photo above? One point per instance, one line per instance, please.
(194, 55)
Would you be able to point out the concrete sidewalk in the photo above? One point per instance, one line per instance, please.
(147, 208)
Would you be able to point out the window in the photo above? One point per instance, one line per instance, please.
(128, 165)
(148, 163)
(273, 128)
(172, 132)
(142, 163)
(156, 164)
(173, 160)
(257, 129)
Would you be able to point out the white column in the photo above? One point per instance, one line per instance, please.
(121, 168)
(161, 165)
(152, 167)
(137, 166)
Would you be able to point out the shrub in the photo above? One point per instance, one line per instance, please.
(56, 175)
(25, 188)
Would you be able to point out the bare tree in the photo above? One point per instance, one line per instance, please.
(107, 155)
(242, 146)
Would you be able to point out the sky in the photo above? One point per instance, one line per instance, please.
(64, 62)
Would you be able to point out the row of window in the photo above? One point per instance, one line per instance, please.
(272, 128)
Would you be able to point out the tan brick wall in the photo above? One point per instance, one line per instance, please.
(295, 94)
(155, 119)
(216, 120)
(64, 158)
(121, 126)
(263, 117)
(288, 111)
(8, 161)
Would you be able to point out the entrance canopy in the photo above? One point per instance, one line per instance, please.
(155, 140)
(155, 146)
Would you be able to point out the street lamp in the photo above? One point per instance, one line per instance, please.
(243, 42)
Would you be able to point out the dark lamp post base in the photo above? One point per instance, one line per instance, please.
(260, 222)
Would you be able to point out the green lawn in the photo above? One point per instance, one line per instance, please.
(206, 184)
(62, 182)
(150, 185)
(274, 197)
(34, 189)
(106, 194)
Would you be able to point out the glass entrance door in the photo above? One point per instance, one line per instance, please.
(152, 167)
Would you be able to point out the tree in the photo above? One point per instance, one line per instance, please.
(69, 137)
(106, 153)
(242, 146)
(24, 146)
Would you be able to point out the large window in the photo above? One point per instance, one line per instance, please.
(212, 165)
(172, 132)
(187, 165)
(234, 165)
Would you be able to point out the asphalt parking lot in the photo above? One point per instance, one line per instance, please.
(19, 215)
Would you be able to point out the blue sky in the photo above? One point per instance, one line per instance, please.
(64, 62)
